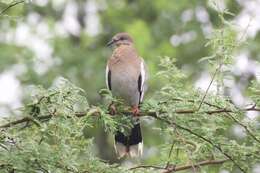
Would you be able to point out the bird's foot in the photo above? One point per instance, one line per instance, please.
(135, 111)
(112, 109)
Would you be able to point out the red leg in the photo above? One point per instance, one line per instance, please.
(135, 111)
(112, 109)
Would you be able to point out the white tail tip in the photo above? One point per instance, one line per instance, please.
(133, 151)
(136, 150)
(121, 150)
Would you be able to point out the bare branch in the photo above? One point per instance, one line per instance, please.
(212, 79)
(181, 168)
(203, 163)
(170, 153)
(10, 6)
(244, 126)
(13, 123)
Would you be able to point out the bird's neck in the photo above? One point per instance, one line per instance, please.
(124, 46)
(124, 52)
(119, 44)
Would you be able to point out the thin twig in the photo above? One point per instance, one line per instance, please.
(13, 123)
(203, 163)
(181, 168)
(203, 138)
(212, 79)
(245, 31)
(4, 147)
(170, 153)
(10, 6)
(183, 140)
(244, 126)
(146, 166)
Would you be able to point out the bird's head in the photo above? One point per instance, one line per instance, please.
(120, 38)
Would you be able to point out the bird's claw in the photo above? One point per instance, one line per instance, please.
(135, 111)
(112, 109)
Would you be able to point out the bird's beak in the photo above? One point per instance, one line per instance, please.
(111, 42)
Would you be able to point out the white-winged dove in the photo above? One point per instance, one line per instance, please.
(126, 76)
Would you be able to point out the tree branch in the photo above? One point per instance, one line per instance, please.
(151, 114)
(13, 123)
(202, 138)
(96, 112)
(10, 6)
(212, 79)
(202, 163)
(181, 168)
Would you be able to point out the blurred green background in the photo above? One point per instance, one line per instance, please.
(41, 40)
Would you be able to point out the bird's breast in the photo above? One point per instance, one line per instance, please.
(125, 85)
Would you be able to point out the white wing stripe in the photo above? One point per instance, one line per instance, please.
(143, 79)
(107, 70)
(142, 75)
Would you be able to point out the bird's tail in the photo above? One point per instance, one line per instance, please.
(131, 145)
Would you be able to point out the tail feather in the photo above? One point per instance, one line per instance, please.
(129, 145)
(120, 149)
(136, 150)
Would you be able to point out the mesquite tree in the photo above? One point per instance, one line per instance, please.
(52, 133)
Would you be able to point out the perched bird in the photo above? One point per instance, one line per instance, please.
(126, 77)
